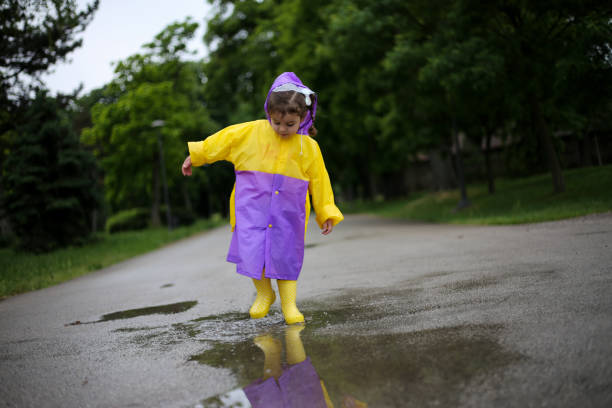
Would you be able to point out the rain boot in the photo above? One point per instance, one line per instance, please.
(328, 401)
(272, 350)
(295, 348)
(288, 290)
(265, 297)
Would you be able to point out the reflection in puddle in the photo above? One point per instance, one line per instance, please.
(292, 383)
(420, 369)
(359, 348)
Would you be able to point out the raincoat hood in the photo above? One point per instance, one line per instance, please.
(288, 81)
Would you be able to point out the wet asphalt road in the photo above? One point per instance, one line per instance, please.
(398, 315)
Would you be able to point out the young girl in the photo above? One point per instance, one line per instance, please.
(278, 165)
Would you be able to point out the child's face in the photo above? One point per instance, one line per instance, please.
(285, 125)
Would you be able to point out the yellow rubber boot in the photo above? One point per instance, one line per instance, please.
(288, 290)
(328, 401)
(272, 349)
(295, 348)
(265, 298)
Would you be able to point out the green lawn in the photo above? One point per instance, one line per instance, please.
(516, 201)
(21, 272)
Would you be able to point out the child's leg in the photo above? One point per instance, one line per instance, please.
(288, 290)
(265, 297)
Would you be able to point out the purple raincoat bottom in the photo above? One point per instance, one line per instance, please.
(270, 222)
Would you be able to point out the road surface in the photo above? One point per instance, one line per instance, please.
(398, 314)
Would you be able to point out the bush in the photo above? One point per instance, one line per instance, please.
(132, 219)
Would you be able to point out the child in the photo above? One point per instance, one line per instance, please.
(277, 166)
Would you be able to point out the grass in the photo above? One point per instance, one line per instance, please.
(22, 272)
(516, 201)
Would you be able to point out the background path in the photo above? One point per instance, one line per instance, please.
(398, 314)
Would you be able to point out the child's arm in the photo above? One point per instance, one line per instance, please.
(328, 215)
(215, 147)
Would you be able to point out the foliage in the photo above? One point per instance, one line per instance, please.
(544, 43)
(393, 76)
(149, 88)
(35, 35)
(138, 219)
(50, 186)
(242, 59)
(128, 220)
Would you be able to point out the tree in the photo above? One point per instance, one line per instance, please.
(51, 187)
(153, 86)
(34, 36)
(540, 40)
(399, 78)
(243, 59)
(464, 61)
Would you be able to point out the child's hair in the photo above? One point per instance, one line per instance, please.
(291, 102)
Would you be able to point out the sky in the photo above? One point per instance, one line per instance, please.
(119, 29)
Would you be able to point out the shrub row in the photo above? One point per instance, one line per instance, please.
(139, 218)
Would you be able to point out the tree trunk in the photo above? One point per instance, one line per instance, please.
(94, 222)
(155, 219)
(373, 186)
(463, 202)
(441, 176)
(597, 151)
(6, 232)
(546, 139)
(186, 198)
(587, 150)
(489, 168)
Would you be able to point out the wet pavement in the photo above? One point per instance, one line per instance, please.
(397, 315)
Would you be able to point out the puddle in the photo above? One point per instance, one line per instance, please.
(167, 285)
(344, 345)
(163, 309)
(144, 311)
(370, 347)
(421, 369)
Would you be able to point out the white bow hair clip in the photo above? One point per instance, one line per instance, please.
(291, 87)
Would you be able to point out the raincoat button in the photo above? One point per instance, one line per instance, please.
(269, 225)
(276, 192)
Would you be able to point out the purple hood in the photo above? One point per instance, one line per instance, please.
(291, 78)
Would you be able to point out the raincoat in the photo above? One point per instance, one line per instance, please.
(298, 386)
(270, 206)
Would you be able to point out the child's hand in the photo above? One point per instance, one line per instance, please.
(187, 166)
(328, 226)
